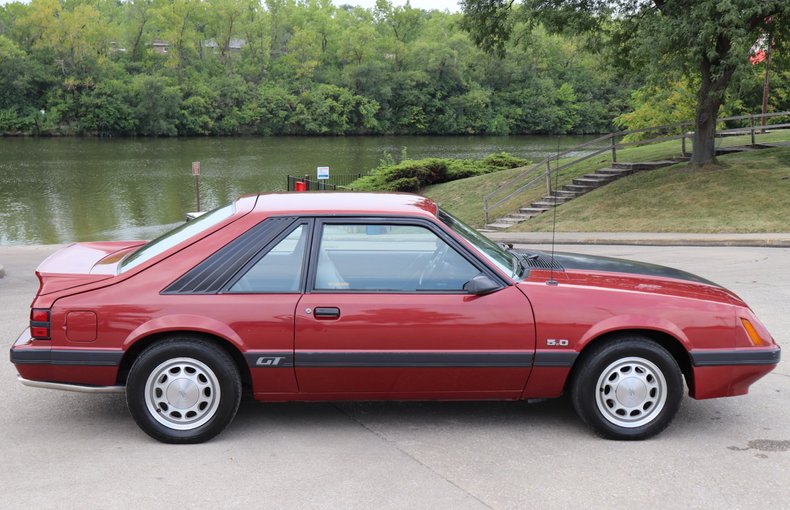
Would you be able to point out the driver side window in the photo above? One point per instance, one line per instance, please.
(388, 258)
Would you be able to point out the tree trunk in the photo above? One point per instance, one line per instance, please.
(704, 151)
(705, 132)
(138, 38)
(709, 99)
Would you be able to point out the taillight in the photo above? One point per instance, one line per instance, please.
(39, 323)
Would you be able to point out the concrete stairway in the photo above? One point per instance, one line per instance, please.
(579, 186)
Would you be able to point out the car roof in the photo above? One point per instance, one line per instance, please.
(368, 204)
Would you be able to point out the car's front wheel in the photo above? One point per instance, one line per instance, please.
(629, 388)
(183, 390)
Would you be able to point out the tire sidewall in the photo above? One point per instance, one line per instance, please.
(215, 358)
(585, 387)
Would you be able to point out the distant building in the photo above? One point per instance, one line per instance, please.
(160, 46)
(234, 46)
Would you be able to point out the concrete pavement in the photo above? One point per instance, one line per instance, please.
(65, 450)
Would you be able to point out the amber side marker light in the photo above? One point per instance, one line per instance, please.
(753, 335)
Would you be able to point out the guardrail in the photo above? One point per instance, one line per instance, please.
(544, 171)
(334, 182)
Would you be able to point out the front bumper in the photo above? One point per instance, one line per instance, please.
(730, 372)
(736, 357)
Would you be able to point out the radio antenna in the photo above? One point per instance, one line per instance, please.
(552, 196)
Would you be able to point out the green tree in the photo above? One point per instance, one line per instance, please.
(139, 15)
(704, 40)
(176, 23)
(106, 110)
(157, 106)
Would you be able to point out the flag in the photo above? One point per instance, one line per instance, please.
(759, 51)
(759, 56)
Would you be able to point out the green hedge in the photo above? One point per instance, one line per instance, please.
(413, 175)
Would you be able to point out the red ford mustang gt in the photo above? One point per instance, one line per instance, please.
(334, 296)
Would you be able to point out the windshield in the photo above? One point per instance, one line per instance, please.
(505, 261)
(175, 236)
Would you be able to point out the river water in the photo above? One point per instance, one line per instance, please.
(57, 190)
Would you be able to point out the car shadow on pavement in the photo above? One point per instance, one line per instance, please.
(298, 417)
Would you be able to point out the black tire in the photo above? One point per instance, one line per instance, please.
(629, 388)
(183, 390)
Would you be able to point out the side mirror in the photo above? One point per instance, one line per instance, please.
(480, 285)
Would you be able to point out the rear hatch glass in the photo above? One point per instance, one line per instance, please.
(176, 236)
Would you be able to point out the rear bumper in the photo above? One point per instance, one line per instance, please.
(70, 387)
(727, 373)
(38, 362)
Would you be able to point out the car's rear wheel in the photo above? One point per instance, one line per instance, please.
(183, 390)
(629, 388)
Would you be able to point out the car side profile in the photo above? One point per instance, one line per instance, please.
(362, 296)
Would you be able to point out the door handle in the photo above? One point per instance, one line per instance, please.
(326, 312)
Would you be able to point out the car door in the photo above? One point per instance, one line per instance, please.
(385, 315)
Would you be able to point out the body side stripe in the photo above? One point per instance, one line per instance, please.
(555, 358)
(417, 359)
(717, 358)
(66, 357)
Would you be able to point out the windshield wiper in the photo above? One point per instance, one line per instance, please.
(519, 261)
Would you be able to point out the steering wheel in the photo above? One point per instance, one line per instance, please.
(436, 260)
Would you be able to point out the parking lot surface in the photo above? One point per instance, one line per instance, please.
(68, 450)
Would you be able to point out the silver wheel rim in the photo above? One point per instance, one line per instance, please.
(182, 393)
(631, 392)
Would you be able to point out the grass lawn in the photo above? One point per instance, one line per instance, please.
(748, 192)
(464, 197)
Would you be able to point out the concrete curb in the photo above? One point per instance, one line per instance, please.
(743, 240)
(660, 242)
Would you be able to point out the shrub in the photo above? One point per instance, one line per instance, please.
(503, 161)
(412, 175)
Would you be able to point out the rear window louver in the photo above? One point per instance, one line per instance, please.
(210, 276)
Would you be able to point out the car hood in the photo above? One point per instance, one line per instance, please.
(576, 261)
(629, 275)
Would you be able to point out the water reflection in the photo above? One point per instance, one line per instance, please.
(74, 189)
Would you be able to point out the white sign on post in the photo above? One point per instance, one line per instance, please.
(323, 172)
(196, 168)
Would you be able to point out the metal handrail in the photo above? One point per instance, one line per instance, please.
(543, 169)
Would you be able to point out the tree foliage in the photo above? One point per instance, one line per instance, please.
(285, 67)
(309, 67)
